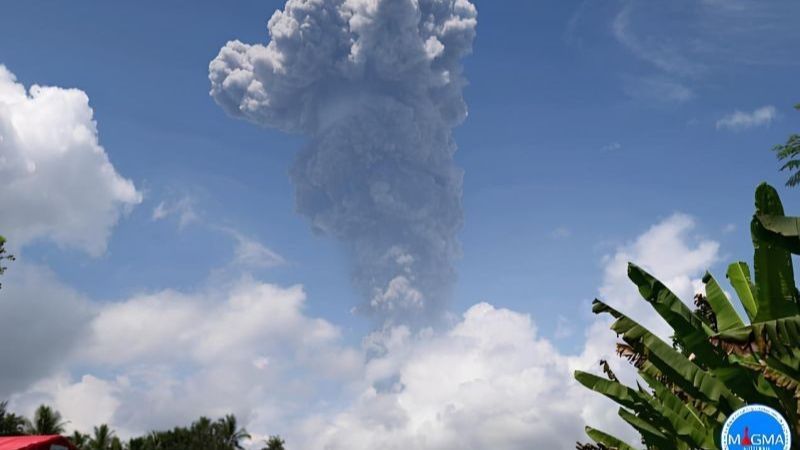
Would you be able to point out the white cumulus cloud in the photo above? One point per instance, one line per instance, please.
(163, 359)
(56, 180)
(488, 382)
(668, 251)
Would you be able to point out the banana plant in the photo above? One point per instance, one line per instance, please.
(718, 361)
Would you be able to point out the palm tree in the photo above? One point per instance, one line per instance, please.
(79, 440)
(231, 432)
(46, 421)
(10, 423)
(718, 361)
(102, 438)
(790, 151)
(274, 443)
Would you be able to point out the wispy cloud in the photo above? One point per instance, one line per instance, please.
(250, 253)
(727, 5)
(686, 41)
(659, 51)
(689, 38)
(658, 89)
(561, 232)
(182, 208)
(611, 146)
(740, 120)
(571, 35)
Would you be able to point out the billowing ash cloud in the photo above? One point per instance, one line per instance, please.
(377, 86)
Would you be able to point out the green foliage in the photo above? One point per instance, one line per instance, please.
(718, 361)
(10, 424)
(790, 152)
(223, 434)
(231, 432)
(101, 439)
(274, 443)
(604, 441)
(773, 263)
(80, 440)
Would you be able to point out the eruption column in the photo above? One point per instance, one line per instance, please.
(376, 85)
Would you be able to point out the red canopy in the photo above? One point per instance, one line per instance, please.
(35, 443)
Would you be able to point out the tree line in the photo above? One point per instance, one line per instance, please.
(203, 433)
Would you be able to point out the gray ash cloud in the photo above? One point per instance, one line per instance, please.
(376, 85)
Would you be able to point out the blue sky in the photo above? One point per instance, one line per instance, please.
(589, 123)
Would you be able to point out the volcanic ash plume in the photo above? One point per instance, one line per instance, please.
(377, 86)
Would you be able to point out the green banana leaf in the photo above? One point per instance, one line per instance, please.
(614, 390)
(727, 317)
(684, 420)
(650, 434)
(694, 384)
(780, 338)
(781, 231)
(739, 276)
(683, 372)
(690, 329)
(608, 440)
(777, 295)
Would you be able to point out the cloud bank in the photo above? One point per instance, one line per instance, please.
(489, 379)
(41, 323)
(158, 360)
(376, 85)
(56, 181)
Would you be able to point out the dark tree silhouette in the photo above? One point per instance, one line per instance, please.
(80, 440)
(46, 420)
(231, 431)
(274, 443)
(101, 439)
(10, 424)
(202, 434)
(4, 255)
